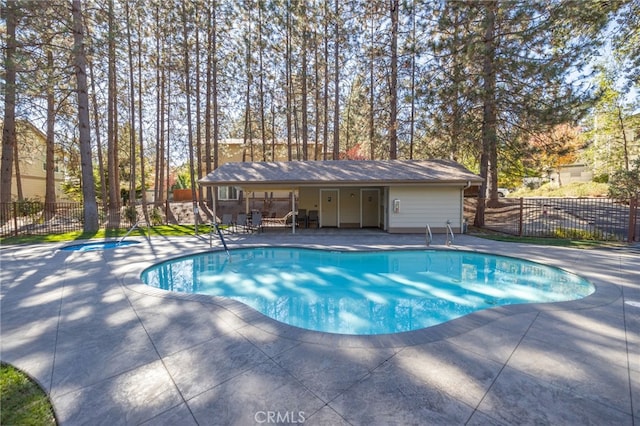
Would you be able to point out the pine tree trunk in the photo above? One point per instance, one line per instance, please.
(393, 85)
(113, 161)
(336, 88)
(50, 184)
(489, 105)
(88, 190)
(9, 126)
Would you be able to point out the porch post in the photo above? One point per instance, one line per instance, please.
(294, 216)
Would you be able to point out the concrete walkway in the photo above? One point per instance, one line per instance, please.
(110, 350)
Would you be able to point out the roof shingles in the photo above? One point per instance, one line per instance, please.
(341, 172)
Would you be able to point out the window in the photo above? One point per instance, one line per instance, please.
(227, 193)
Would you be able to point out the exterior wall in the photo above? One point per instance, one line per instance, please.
(571, 173)
(349, 203)
(32, 151)
(349, 208)
(308, 199)
(231, 151)
(420, 206)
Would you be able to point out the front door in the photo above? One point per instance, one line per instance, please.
(370, 208)
(328, 208)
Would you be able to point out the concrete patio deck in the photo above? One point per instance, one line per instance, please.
(110, 350)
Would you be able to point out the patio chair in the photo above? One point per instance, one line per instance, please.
(313, 218)
(301, 218)
(256, 221)
(241, 220)
(227, 221)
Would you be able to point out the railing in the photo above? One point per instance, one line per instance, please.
(136, 226)
(573, 218)
(38, 218)
(450, 236)
(428, 235)
(219, 231)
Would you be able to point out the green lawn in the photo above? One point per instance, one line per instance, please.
(160, 231)
(556, 242)
(22, 401)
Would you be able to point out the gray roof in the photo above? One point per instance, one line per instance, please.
(339, 173)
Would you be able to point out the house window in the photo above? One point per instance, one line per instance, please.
(55, 168)
(227, 193)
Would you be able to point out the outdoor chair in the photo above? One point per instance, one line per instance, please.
(227, 221)
(256, 221)
(241, 220)
(301, 218)
(313, 218)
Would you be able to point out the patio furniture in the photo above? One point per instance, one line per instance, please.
(227, 221)
(301, 218)
(256, 221)
(278, 221)
(313, 218)
(241, 220)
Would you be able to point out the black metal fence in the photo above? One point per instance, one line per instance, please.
(38, 218)
(575, 218)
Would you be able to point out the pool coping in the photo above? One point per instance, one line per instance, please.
(604, 294)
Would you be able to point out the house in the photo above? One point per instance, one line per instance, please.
(236, 150)
(32, 154)
(398, 196)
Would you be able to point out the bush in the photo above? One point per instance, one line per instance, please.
(601, 178)
(156, 217)
(131, 213)
(624, 184)
(29, 207)
(578, 234)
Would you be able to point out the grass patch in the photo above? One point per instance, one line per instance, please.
(574, 189)
(555, 242)
(157, 231)
(22, 400)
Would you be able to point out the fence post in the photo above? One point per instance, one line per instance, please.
(633, 210)
(520, 220)
(15, 219)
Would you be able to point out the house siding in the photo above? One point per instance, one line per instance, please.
(420, 206)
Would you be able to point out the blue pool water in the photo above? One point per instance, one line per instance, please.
(107, 245)
(366, 292)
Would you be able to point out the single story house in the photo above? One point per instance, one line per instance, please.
(399, 196)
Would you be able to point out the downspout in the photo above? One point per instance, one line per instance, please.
(463, 227)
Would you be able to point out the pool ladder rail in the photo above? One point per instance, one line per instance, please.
(136, 225)
(429, 235)
(450, 236)
(215, 226)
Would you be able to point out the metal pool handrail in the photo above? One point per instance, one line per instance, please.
(224, 243)
(450, 233)
(428, 235)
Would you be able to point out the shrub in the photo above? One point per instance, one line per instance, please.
(156, 217)
(625, 184)
(131, 213)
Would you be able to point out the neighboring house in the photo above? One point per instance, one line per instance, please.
(236, 150)
(570, 173)
(32, 154)
(395, 195)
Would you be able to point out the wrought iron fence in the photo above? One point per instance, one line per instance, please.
(38, 218)
(575, 218)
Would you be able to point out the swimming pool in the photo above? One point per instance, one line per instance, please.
(95, 246)
(366, 293)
